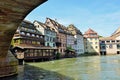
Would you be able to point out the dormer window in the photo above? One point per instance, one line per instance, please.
(93, 34)
(23, 24)
(41, 36)
(37, 36)
(33, 35)
(48, 22)
(28, 34)
(31, 25)
(23, 33)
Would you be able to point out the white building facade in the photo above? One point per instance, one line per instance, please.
(78, 44)
(50, 34)
(77, 39)
(91, 41)
(70, 40)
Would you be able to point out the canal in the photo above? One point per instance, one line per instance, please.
(81, 68)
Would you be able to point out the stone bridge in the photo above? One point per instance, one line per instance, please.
(12, 12)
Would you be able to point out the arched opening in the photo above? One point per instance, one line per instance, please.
(12, 12)
(90, 61)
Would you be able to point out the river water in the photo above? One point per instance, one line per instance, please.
(81, 68)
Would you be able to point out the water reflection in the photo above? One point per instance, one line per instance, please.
(37, 73)
(83, 68)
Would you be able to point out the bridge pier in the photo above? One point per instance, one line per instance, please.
(12, 12)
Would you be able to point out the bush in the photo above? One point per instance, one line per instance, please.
(58, 55)
(88, 54)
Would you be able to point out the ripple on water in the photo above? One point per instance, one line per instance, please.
(82, 68)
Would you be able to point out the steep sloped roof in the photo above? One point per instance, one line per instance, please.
(90, 31)
(116, 32)
(45, 26)
(40, 23)
(29, 27)
(74, 29)
(27, 24)
(91, 34)
(60, 27)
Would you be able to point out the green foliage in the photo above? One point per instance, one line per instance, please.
(69, 48)
(88, 54)
(100, 36)
(58, 55)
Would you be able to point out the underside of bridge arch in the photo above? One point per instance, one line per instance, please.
(12, 12)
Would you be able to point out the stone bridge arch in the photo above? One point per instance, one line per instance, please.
(12, 12)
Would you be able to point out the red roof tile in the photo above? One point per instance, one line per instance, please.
(90, 34)
(89, 31)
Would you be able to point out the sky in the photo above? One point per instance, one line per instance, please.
(103, 16)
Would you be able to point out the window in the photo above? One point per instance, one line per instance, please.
(47, 38)
(21, 41)
(102, 41)
(31, 25)
(107, 41)
(22, 33)
(75, 42)
(23, 24)
(103, 47)
(33, 35)
(61, 50)
(48, 23)
(91, 42)
(38, 26)
(63, 45)
(47, 32)
(110, 46)
(40, 52)
(93, 34)
(16, 41)
(91, 47)
(31, 51)
(113, 41)
(81, 50)
(118, 40)
(53, 45)
(95, 42)
(33, 42)
(35, 54)
(28, 34)
(48, 44)
(118, 46)
(95, 38)
(41, 36)
(30, 42)
(44, 53)
(38, 42)
(37, 36)
(90, 38)
(53, 39)
(96, 47)
(26, 29)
